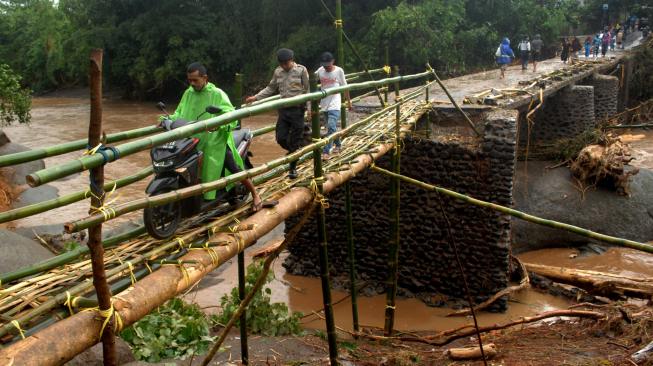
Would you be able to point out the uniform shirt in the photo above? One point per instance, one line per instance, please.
(330, 80)
(287, 83)
(525, 46)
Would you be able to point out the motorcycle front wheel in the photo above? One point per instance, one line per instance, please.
(161, 222)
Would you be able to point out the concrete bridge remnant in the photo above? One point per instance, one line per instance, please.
(453, 158)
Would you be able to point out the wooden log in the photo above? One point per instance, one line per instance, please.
(599, 283)
(472, 353)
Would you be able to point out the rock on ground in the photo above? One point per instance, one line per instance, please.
(93, 355)
(16, 174)
(552, 194)
(17, 251)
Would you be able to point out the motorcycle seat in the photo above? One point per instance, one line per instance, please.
(241, 135)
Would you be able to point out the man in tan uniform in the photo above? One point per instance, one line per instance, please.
(289, 79)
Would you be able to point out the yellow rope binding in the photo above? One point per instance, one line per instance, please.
(338, 23)
(93, 150)
(131, 272)
(69, 303)
(387, 69)
(107, 314)
(20, 330)
(181, 242)
(318, 197)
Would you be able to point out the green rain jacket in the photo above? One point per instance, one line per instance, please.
(212, 143)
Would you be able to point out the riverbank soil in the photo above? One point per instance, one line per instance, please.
(553, 342)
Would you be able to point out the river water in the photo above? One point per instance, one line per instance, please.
(58, 119)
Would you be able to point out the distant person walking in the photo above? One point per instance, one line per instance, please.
(331, 76)
(575, 48)
(596, 45)
(536, 50)
(524, 52)
(588, 46)
(605, 43)
(613, 39)
(504, 56)
(289, 79)
(620, 39)
(564, 55)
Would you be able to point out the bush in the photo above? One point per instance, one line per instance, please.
(175, 330)
(263, 317)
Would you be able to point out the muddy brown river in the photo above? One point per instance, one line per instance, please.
(55, 120)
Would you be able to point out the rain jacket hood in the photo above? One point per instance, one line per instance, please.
(504, 53)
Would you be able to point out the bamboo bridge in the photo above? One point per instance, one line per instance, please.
(44, 321)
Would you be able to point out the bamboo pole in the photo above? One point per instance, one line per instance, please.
(244, 352)
(321, 235)
(30, 210)
(223, 182)
(338, 21)
(242, 295)
(59, 149)
(393, 250)
(453, 101)
(387, 70)
(348, 214)
(238, 93)
(67, 257)
(97, 200)
(523, 216)
(84, 163)
(260, 281)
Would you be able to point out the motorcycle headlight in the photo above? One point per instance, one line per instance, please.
(163, 164)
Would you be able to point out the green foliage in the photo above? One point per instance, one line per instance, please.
(263, 317)
(175, 330)
(15, 101)
(148, 44)
(70, 246)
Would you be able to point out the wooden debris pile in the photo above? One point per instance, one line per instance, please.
(605, 164)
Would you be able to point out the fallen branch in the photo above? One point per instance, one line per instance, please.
(468, 330)
(523, 283)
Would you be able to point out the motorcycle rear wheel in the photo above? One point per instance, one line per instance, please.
(161, 222)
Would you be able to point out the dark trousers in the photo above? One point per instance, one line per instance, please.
(290, 128)
(230, 163)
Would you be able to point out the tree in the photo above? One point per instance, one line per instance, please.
(15, 101)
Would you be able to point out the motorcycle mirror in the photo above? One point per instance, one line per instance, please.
(161, 106)
(213, 109)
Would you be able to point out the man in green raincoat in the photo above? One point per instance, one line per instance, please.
(218, 145)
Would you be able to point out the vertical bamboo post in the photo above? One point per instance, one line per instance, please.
(393, 258)
(238, 94)
(427, 98)
(321, 232)
(97, 200)
(244, 351)
(386, 65)
(348, 215)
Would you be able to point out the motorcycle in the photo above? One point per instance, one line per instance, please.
(178, 164)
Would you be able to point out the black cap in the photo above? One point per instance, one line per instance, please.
(285, 54)
(326, 58)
